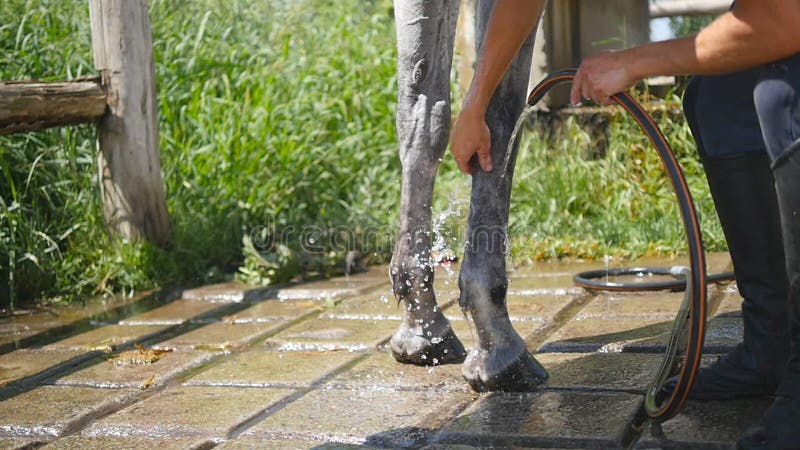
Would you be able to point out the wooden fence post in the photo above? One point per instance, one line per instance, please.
(131, 183)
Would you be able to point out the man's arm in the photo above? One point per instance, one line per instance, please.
(755, 32)
(511, 22)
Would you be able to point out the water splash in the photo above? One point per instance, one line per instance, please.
(514, 135)
(441, 249)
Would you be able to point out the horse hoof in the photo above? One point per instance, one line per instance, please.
(411, 348)
(524, 373)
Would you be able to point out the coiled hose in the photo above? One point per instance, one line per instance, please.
(689, 327)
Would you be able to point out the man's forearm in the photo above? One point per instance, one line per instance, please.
(511, 22)
(756, 32)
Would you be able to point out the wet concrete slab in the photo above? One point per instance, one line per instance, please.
(126, 443)
(20, 364)
(107, 337)
(376, 306)
(625, 372)
(112, 372)
(381, 371)
(259, 368)
(731, 303)
(546, 419)
(542, 308)
(330, 289)
(173, 313)
(465, 330)
(333, 334)
(524, 308)
(274, 310)
(188, 411)
(633, 305)
(221, 336)
(19, 443)
(722, 336)
(606, 335)
(287, 444)
(521, 285)
(378, 417)
(229, 292)
(704, 424)
(13, 332)
(55, 410)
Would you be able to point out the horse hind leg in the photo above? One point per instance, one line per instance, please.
(425, 35)
(501, 360)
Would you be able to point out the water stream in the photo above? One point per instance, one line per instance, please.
(514, 135)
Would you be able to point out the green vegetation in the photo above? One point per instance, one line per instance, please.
(277, 114)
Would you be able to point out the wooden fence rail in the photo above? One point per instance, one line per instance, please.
(33, 106)
(122, 101)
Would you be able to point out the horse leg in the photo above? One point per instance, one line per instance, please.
(501, 360)
(425, 35)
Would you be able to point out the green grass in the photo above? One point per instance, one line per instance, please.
(278, 114)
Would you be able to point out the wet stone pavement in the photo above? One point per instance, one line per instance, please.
(231, 366)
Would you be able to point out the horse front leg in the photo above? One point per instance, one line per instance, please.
(501, 360)
(425, 35)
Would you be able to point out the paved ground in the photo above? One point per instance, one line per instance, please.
(232, 367)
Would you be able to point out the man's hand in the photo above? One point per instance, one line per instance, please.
(471, 136)
(602, 76)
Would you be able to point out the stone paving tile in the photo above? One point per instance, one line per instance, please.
(550, 269)
(57, 409)
(124, 443)
(258, 368)
(717, 424)
(19, 443)
(607, 335)
(229, 292)
(173, 313)
(291, 444)
(329, 289)
(659, 305)
(382, 371)
(629, 372)
(379, 417)
(107, 337)
(102, 372)
(542, 308)
(221, 336)
(722, 335)
(465, 330)
(520, 285)
(567, 419)
(334, 334)
(211, 412)
(26, 362)
(12, 331)
(731, 304)
(272, 310)
(375, 306)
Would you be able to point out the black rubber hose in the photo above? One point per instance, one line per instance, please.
(597, 280)
(692, 314)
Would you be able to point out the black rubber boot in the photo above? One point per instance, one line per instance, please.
(744, 196)
(780, 426)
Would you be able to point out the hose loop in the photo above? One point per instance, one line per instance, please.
(688, 330)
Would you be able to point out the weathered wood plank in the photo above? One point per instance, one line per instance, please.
(131, 181)
(34, 105)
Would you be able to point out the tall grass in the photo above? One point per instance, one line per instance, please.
(277, 114)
